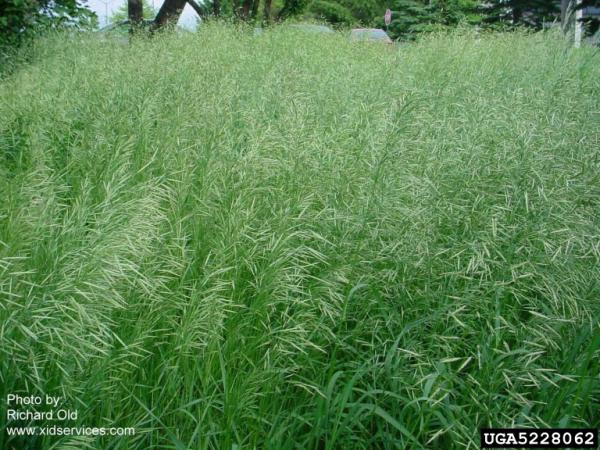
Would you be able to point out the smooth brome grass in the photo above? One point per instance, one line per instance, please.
(289, 241)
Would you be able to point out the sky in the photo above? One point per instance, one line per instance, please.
(104, 8)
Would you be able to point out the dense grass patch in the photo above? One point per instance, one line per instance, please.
(292, 242)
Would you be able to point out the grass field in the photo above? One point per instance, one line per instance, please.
(292, 242)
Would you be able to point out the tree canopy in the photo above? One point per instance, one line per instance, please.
(20, 19)
(121, 12)
(411, 17)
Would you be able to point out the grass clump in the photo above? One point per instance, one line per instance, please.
(292, 242)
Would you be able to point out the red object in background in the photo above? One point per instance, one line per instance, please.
(388, 17)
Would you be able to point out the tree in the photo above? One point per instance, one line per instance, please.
(566, 6)
(535, 13)
(567, 9)
(171, 10)
(331, 12)
(20, 19)
(530, 13)
(452, 12)
(292, 8)
(168, 13)
(411, 17)
(249, 10)
(121, 13)
(135, 11)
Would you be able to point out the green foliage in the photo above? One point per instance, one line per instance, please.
(411, 17)
(347, 12)
(291, 241)
(20, 19)
(365, 11)
(292, 8)
(592, 25)
(331, 12)
(452, 12)
(532, 13)
(121, 13)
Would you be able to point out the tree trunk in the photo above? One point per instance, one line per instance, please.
(217, 8)
(254, 11)
(135, 13)
(245, 11)
(169, 13)
(199, 10)
(267, 11)
(564, 14)
(517, 15)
